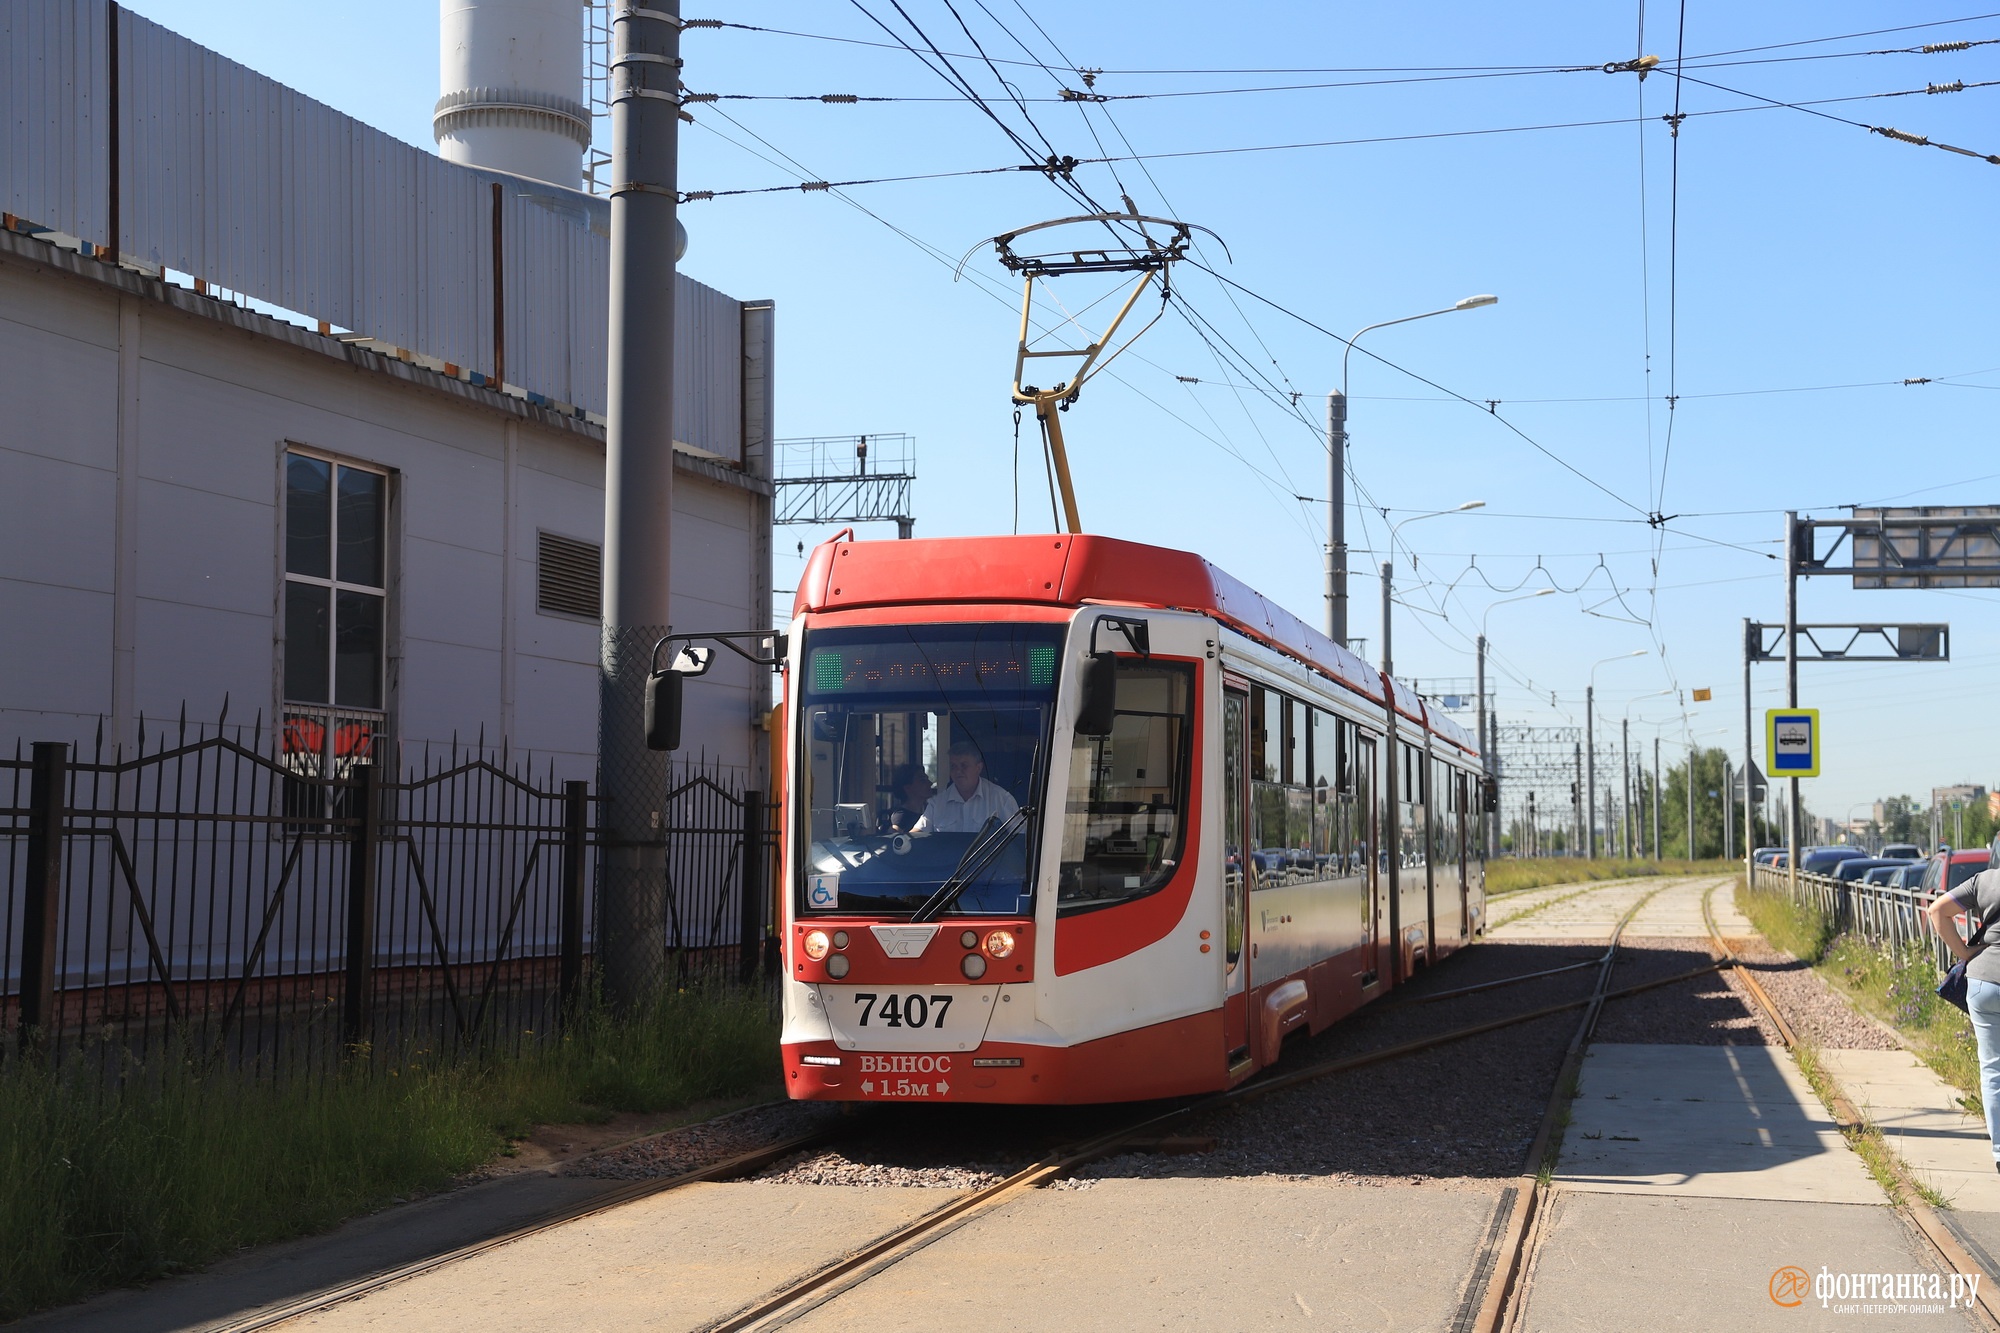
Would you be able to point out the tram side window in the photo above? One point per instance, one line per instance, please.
(1266, 731)
(1125, 820)
(1329, 750)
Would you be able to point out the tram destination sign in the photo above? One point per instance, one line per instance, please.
(1929, 546)
(923, 664)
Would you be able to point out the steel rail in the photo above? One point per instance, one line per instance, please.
(807, 1293)
(1943, 1241)
(1497, 1306)
(798, 1298)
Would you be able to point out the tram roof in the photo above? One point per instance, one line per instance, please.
(1084, 570)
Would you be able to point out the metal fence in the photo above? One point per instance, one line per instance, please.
(223, 893)
(1890, 918)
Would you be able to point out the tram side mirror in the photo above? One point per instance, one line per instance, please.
(663, 710)
(1098, 703)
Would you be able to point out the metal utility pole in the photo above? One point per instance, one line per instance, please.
(638, 490)
(1749, 760)
(1657, 853)
(1728, 793)
(1590, 767)
(1485, 745)
(1792, 684)
(1690, 790)
(1336, 517)
(1625, 728)
(1576, 806)
(1532, 840)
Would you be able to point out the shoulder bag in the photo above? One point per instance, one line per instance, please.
(1952, 990)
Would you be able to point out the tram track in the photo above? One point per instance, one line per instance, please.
(809, 1291)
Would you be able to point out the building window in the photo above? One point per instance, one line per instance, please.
(569, 576)
(335, 613)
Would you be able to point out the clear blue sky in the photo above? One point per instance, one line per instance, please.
(1804, 252)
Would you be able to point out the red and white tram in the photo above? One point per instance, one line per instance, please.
(1073, 819)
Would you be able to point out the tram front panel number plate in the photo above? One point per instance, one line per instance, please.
(908, 1020)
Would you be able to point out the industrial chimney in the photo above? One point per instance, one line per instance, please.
(511, 75)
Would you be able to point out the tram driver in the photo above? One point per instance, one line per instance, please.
(965, 803)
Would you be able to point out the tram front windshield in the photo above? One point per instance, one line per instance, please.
(924, 748)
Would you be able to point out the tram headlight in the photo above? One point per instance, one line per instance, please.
(816, 944)
(1000, 943)
(973, 966)
(836, 966)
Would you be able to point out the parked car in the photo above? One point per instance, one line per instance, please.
(1902, 851)
(1883, 874)
(1911, 876)
(1822, 860)
(1948, 869)
(1764, 856)
(1855, 866)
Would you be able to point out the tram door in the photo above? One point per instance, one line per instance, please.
(1368, 838)
(1235, 874)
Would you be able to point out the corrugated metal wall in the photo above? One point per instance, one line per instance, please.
(229, 176)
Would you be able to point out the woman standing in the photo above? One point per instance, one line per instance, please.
(1979, 899)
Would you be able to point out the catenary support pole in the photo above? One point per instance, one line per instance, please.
(1576, 804)
(1625, 768)
(1657, 853)
(1590, 770)
(1392, 836)
(1485, 747)
(1692, 854)
(638, 489)
(1336, 518)
(1792, 684)
(1749, 761)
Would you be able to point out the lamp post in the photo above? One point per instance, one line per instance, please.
(1488, 745)
(1590, 751)
(1336, 473)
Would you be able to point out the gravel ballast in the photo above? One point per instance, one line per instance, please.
(691, 1147)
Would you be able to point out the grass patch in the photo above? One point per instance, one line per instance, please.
(1518, 875)
(1897, 986)
(177, 1166)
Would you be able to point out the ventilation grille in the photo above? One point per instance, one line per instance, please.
(569, 576)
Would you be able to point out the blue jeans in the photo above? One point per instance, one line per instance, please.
(1982, 1001)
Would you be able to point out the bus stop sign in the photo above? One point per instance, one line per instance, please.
(1792, 742)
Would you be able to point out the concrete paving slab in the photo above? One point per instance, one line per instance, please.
(1709, 1121)
(278, 1274)
(1569, 914)
(1676, 912)
(1609, 1261)
(1187, 1254)
(1673, 911)
(672, 1262)
(1922, 1118)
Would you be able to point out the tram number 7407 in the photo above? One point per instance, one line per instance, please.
(903, 1011)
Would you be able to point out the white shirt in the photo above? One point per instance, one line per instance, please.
(948, 812)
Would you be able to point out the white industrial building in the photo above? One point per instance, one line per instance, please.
(324, 442)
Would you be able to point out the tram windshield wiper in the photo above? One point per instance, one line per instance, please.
(978, 855)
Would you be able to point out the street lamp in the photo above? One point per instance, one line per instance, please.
(1590, 752)
(1486, 756)
(1336, 470)
(1389, 554)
